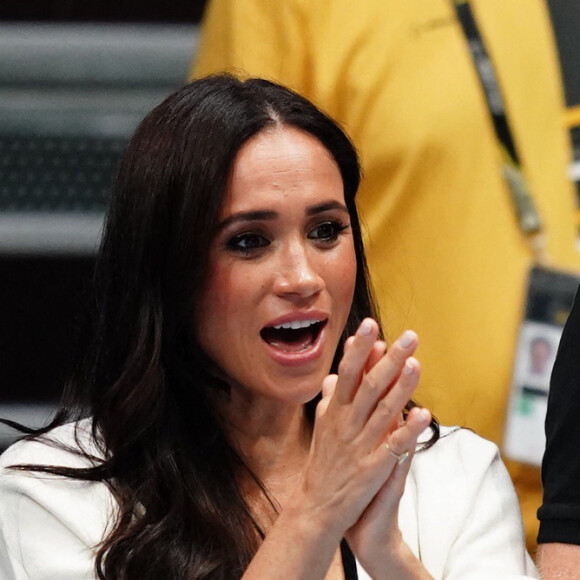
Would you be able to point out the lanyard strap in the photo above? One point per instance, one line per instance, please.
(348, 561)
(526, 212)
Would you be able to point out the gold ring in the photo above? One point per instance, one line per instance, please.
(401, 458)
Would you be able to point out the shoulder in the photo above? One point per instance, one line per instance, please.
(68, 446)
(465, 510)
(461, 477)
(62, 446)
(459, 444)
(42, 514)
(462, 458)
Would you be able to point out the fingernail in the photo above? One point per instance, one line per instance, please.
(409, 368)
(424, 415)
(407, 338)
(366, 327)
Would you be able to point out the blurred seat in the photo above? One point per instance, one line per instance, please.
(70, 96)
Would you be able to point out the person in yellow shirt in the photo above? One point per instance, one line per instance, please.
(446, 251)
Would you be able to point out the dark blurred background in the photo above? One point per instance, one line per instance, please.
(75, 77)
(177, 11)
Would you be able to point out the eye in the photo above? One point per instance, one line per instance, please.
(247, 243)
(327, 231)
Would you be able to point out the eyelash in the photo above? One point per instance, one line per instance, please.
(235, 244)
(258, 241)
(337, 229)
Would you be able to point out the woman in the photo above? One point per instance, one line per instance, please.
(231, 281)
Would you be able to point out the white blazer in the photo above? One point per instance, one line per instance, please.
(459, 513)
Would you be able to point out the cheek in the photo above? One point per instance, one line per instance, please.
(345, 271)
(226, 299)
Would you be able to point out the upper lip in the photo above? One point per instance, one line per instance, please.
(298, 318)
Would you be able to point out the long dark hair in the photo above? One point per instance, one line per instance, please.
(143, 379)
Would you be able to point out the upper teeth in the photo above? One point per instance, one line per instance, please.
(296, 324)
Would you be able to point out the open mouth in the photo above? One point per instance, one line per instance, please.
(295, 336)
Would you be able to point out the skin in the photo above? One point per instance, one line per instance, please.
(558, 561)
(278, 253)
(540, 355)
(339, 479)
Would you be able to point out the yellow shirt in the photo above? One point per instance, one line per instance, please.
(445, 251)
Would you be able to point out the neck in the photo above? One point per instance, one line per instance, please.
(273, 439)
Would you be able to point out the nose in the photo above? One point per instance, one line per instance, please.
(297, 274)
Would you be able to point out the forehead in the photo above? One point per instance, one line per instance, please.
(279, 162)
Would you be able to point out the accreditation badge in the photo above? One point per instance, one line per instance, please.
(550, 296)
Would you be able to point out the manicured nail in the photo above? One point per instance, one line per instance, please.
(424, 415)
(409, 368)
(407, 338)
(366, 327)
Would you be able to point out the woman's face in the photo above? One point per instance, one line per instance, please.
(281, 271)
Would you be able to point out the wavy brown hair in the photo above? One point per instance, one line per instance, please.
(142, 378)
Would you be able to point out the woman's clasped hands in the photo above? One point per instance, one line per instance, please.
(362, 448)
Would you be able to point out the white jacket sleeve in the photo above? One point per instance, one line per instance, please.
(50, 527)
(468, 518)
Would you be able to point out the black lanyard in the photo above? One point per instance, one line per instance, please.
(348, 562)
(487, 76)
(528, 217)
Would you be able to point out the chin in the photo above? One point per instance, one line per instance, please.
(302, 393)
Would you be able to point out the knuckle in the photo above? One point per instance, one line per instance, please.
(372, 385)
(385, 408)
(398, 353)
(346, 434)
(343, 368)
(407, 381)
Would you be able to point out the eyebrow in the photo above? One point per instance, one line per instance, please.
(322, 207)
(265, 215)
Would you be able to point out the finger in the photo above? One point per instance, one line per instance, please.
(402, 442)
(352, 365)
(386, 415)
(378, 351)
(396, 460)
(328, 385)
(347, 344)
(384, 374)
(390, 494)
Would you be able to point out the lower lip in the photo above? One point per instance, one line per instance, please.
(295, 359)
